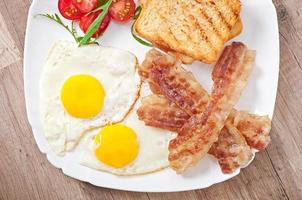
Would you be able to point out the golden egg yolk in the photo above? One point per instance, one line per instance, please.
(82, 96)
(117, 145)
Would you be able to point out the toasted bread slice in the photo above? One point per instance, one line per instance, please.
(196, 29)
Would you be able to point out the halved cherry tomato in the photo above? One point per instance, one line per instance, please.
(86, 21)
(85, 6)
(122, 10)
(68, 10)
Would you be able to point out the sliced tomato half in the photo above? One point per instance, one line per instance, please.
(85, 6)
(86, 21)
(122, 10)
(68, 10)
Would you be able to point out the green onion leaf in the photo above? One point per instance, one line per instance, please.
(139, 39)
(137, 12)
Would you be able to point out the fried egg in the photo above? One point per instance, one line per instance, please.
(127, 148)
(83, 88)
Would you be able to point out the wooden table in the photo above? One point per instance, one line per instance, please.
(25, 172)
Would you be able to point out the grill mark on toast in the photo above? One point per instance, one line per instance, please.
(229, 26)
(171, 33)
(168, 29)
(202, 33)
(209, 19)
(185, 7)
(235, 12)
(188, 35)
(199, 27)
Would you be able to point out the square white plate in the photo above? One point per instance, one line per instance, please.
(260, 33)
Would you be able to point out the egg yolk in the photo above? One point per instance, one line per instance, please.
(82, 96)
(117, 145)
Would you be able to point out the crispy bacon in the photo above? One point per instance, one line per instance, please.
(231, 149)
(157, 111)
(147, 65)
(255, 128)
(184, 90)
(202, 130)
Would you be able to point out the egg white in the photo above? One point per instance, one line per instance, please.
(115, 69)
(153, 147)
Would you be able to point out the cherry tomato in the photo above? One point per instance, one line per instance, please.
(122, 10)
(85, 6)
(68, 10)
(86, 21)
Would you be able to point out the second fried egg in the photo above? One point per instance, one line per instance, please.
(127, 148)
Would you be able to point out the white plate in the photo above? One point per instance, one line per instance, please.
(260, 33)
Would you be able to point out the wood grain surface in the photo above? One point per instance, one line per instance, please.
(25, 173)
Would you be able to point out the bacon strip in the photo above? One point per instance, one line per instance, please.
(185, 92)
(188, 94)
(202, 130)
(254, 128)
(231, 149)
(157, 111)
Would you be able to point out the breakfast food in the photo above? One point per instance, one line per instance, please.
(191, 98)
(84, 88)
(177, 89)
(254, 128)
(231, 149)
(236, 30)
(100, 110)
(128, 148)
(202, 130)
(191, 29)
(157, 110)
